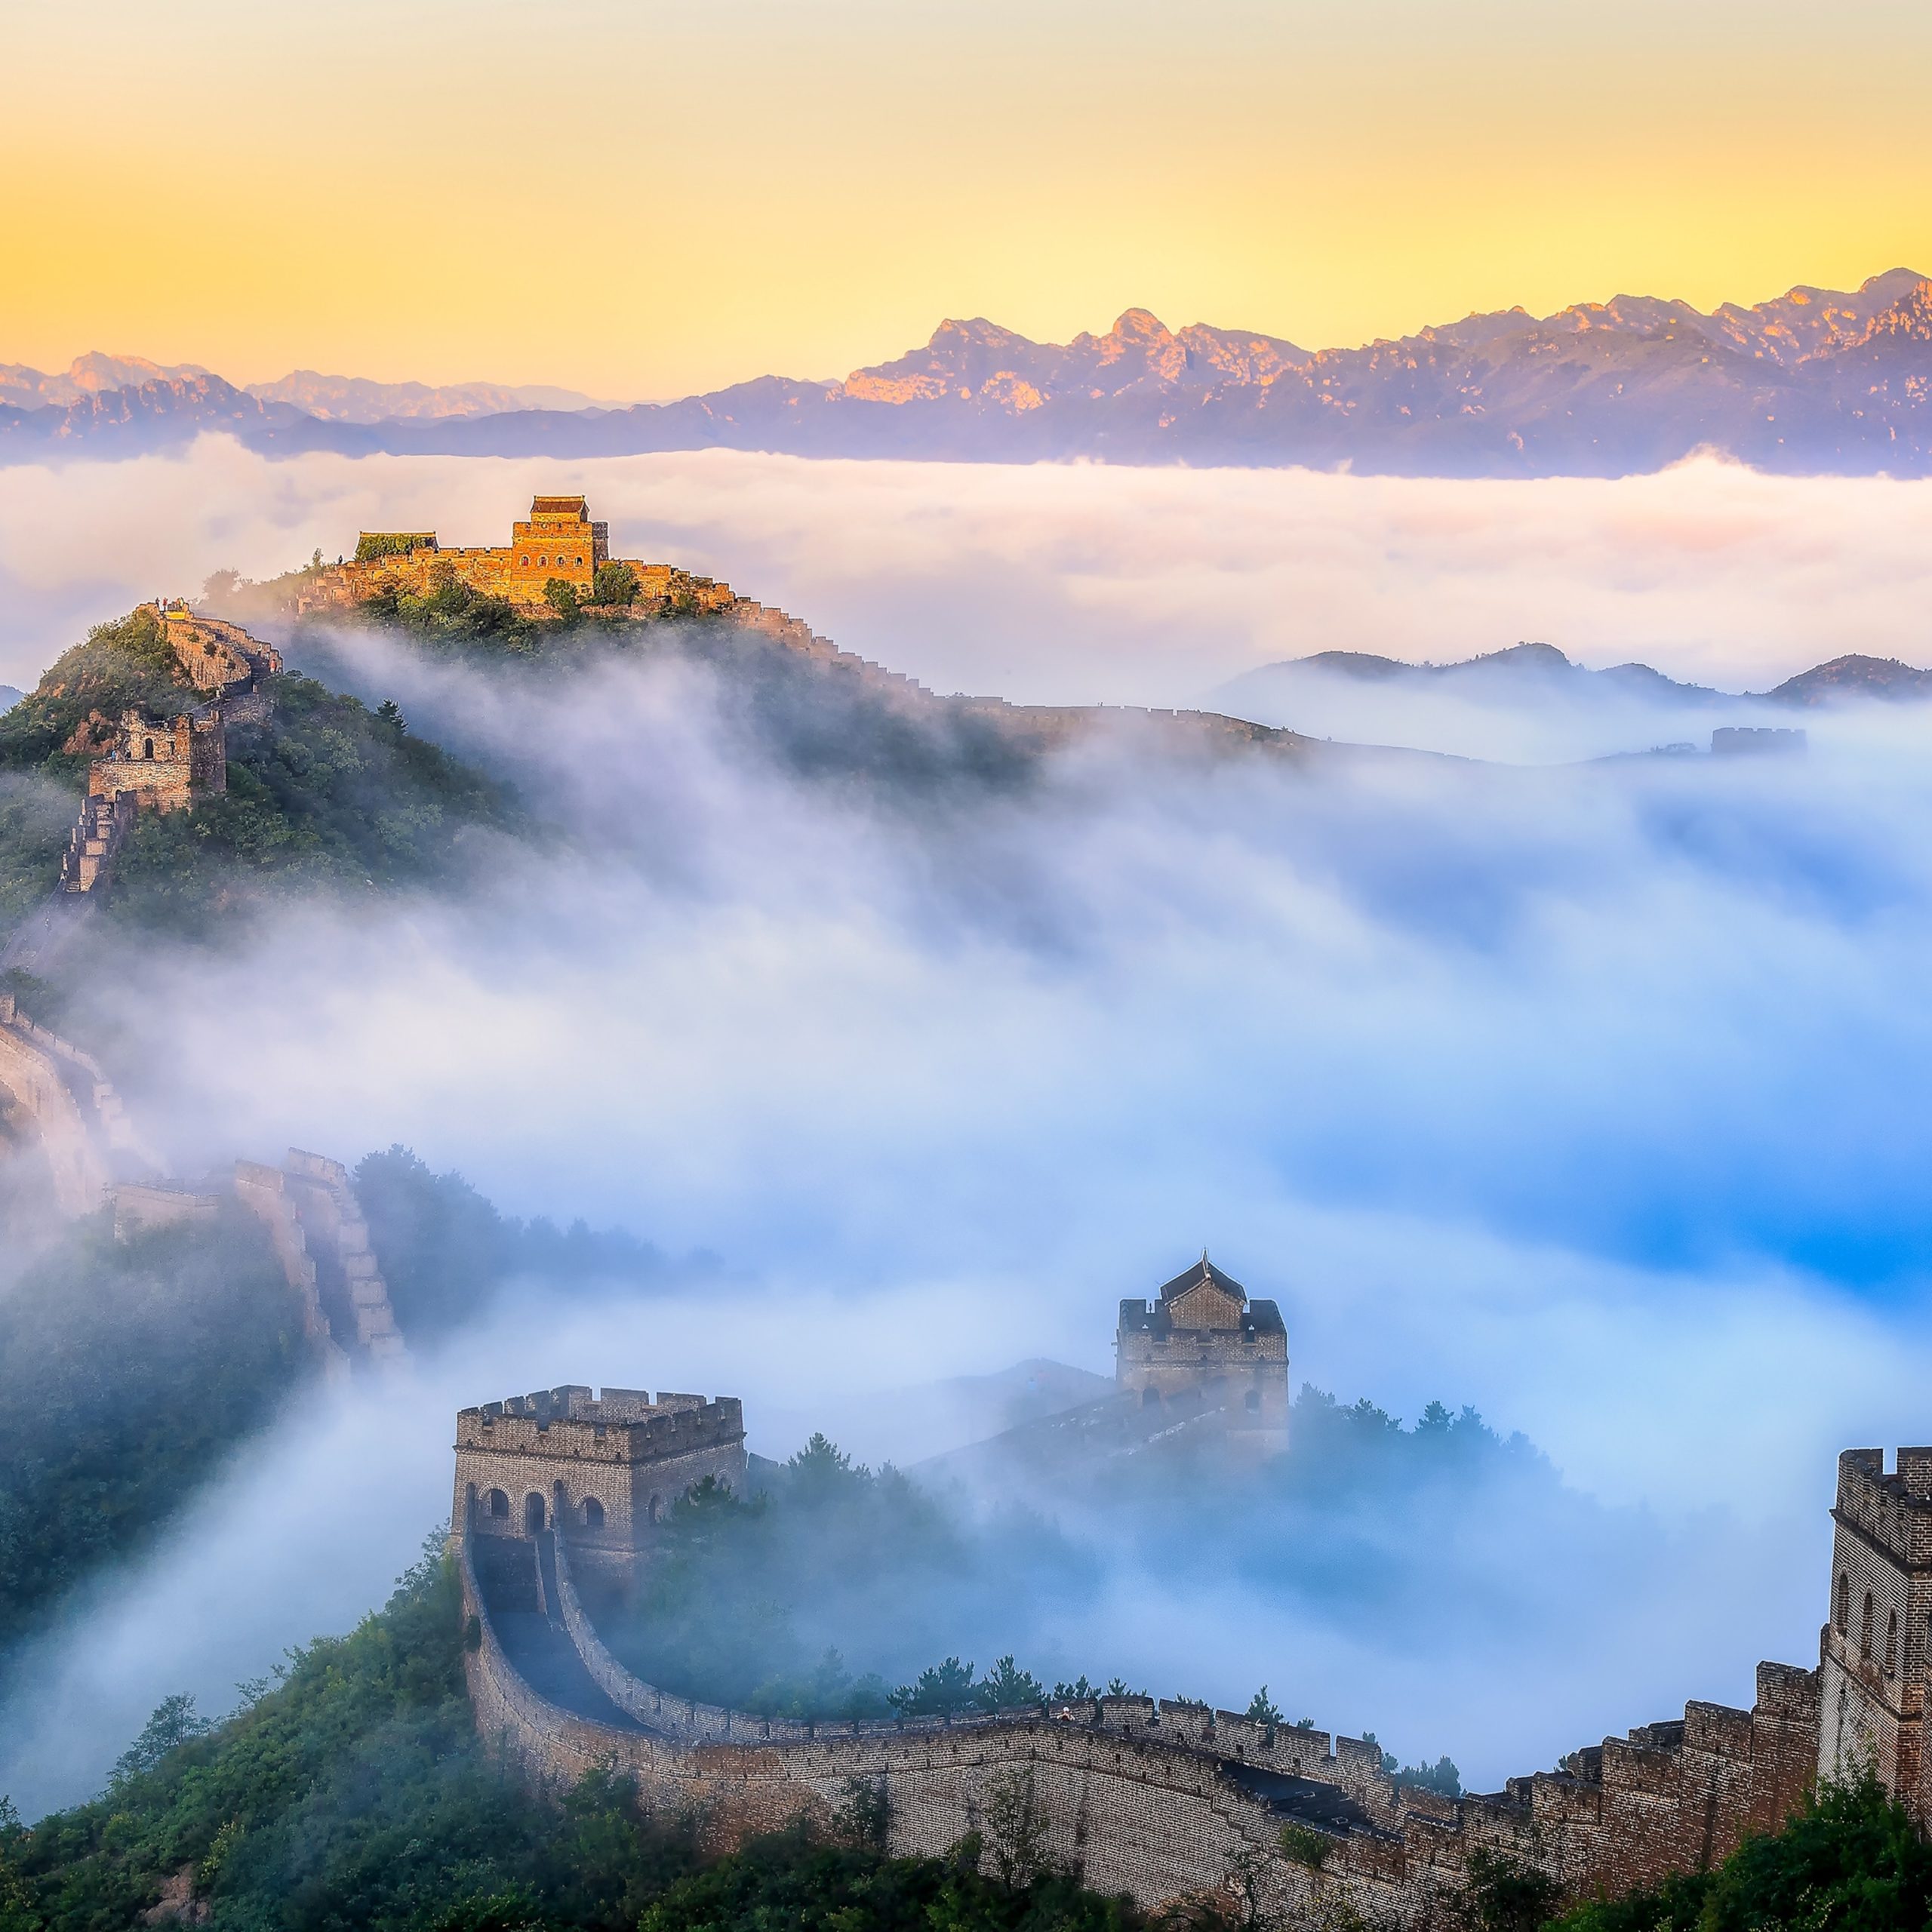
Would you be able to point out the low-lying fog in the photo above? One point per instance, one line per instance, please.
(1069, 584)
(1591, 1097)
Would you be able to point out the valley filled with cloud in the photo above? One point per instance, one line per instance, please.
(1583, 1094)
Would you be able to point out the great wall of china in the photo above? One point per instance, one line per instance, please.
(1157, 1800)
(97, 1162)
(1161, 1800)
(559, 540)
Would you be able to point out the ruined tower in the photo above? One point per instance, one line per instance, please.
(1203, 1344)
(1874, 1654)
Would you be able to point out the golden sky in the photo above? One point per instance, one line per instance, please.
(643, 199)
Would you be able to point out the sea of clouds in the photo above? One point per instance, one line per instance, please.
(1590, 1096)
(1058, 583)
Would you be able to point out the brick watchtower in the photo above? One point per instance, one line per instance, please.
(557, 539)
(1874, 1654)
(600, 1470)
(1203, 1344)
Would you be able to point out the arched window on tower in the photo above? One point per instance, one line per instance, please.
(147, 748)
(499, 1504)
(1865, 1630)
(593, 1513)
(1254, 1400)
(1842, 1616)
(1892, 1645)
(1150, 1398)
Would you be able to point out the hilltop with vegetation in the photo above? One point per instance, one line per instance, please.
(324, 793)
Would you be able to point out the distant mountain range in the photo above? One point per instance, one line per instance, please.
(1816, 380)
(76, 391)
(1538, 674)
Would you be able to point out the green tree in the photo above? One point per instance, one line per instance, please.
(1007, 1687)
(1852, 1859)
(615, 584)
(1015, 1826)
(864, 1817)
(1261, 1707)
(173, 1722)
(561, 595)
(1504, 1894)
(939, 1690)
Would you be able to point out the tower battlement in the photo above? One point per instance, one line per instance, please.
(599, 1467)
(558, 541)
(618, 1426)
(1875, 1652)
(1893, 1510)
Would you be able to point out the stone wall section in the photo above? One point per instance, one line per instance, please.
(322, 1241)
(214, 655)
(1132, 1817)
(1160, 1799)
(42, 1099)
(140, 1207)
(104, 824)
(262, 1190)
(1150, 1798)
(337, 1237)
(60, 1090)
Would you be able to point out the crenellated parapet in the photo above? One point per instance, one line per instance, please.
(1875, 1650)
(603, 1467)
(1159, 1799)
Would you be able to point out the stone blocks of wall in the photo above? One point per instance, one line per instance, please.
(32, 1072)
(141, 1206)
(264, 1191)
(1148, 1797)
(558, 1450)
(1874, 1649)
(319, 1190)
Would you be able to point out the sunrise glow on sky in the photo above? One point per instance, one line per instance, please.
(644, 200)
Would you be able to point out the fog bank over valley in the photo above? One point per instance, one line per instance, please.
(1067, 583)
(1585, 1095)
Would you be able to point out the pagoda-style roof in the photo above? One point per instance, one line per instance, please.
(1203, 1273)
(1202, 1297)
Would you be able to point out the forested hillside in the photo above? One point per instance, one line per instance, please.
(327, 795)
(128, 1370)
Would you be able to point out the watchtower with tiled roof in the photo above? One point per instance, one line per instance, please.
(1203, 1345)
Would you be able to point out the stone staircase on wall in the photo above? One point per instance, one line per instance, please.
(104, 824)
(322, 1242)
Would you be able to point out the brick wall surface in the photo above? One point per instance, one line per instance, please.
(1146, 1798)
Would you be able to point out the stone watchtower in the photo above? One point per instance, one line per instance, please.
(1877, 1650)
(1202, 1344)
(557, 539)
(599, 1470)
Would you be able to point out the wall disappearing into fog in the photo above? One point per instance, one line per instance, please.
(1592, 1097)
